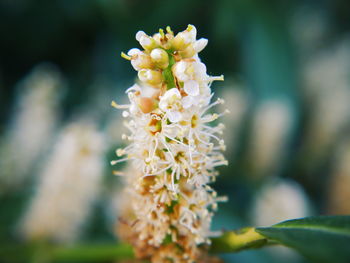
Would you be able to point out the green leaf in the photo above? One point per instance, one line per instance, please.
(322, 238)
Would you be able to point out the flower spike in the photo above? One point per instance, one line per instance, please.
(173, 150)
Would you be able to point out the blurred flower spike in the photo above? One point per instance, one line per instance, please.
(173, 149)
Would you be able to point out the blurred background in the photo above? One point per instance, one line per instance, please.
(287, 86)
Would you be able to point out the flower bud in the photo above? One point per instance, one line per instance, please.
(147, 104)
(184, 38)
(147, 42)
(139, 59)
(160, 58)
(152, 77)
(188, 52)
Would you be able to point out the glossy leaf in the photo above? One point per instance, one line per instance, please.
(323, 238)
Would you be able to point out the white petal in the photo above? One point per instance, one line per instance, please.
(187, 102)
(174, 116)
(145, 41)
(180, 70)
(139, 34)
(135, 64)
(180, 67)
(201, 71)
(200, 44)
(174, 92)
(163, 105)
(134, 87)
(192, 33)
(133, 108)
(157, 54)
(147, 90)
(191, 87)
(134, 51)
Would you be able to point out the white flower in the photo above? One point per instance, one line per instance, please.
(170, 103)
(190, 70)
(191, 87)
(188, 101)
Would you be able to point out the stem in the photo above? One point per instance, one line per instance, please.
(85, 253)
(234, 241)
(44, 252)
(229, 242)
(168, 74)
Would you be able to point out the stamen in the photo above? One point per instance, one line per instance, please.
(161, 32)
(125, 56)
(218, 101)
(209, 118)
(210, 135)
(214, 164)
(168, 29)
(216, 78)
(161, 171)
(118, 173)
(118, 106)
(114, 162)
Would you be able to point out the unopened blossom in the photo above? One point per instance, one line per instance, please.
(173, 150)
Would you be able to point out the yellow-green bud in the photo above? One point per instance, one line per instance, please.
(160, 58)
(147, 42)
(139, 59)
(188, 52)
(184, 38)
(152, 77)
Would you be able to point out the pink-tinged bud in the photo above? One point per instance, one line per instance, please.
(147, 104)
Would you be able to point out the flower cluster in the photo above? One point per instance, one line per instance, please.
(32, 126)
(68, 187)
(173, 149)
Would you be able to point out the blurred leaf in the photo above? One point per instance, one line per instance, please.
(323, 238)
